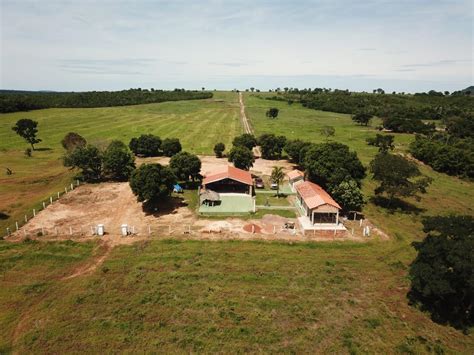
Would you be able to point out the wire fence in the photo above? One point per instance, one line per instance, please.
(40, 207)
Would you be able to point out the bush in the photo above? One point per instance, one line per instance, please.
(442, 274)
(219, 150)
(73, 140)
(88, 159)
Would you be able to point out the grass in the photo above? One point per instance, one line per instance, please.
(272, 200)
(190, 296)
(199, 124)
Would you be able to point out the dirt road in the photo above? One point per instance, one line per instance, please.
(245, 123)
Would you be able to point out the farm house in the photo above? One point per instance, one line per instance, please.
(318, 209)
(227, 190)
(295, 177)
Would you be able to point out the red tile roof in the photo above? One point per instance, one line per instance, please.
(314, 195)
(294, 174)
(229, 172)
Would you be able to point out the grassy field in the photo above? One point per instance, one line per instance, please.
(187, 296)
(199, 124)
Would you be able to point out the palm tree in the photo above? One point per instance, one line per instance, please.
(277, 177)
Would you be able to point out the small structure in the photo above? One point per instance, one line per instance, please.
(178, 189)
(318, 209)
(295, 177)
(229, 180)
(124, 230)
(100, 230)
(208, 197)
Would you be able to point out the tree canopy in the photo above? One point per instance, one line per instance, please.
(73, 140)
(383, 141)
(442, 274)
(151, 182)
(271, 145)
(118, 161)
(219, 149)
(185, 165)
(294, 148)
(329, 164)
(348, 195)
(147, 145)
(88, 159)
(272, 112)
(170, 146)
(245, 140)
(241, 157)
(362, 118)
(27, 129)
(397, 176)
(277, 177)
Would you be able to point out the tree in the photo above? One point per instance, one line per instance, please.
(329, 164)
(348, 195)
(185, 165)
(383, 142)
(118, 161)
(146, 145)
(362, 118)
(327, 131)
(277, 177)
(272, 112)
(294, 148)
(245, 140)
(271, 145)
(88, 159)
(151, 182)
(241, 157)
(73, 140)
(397, 176)
(442, 274)
(219, 149)
(27, 129)
(170, 146)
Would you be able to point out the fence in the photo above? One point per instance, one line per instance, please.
(39, 207)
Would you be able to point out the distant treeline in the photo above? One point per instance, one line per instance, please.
(13, 101)
(424, 106)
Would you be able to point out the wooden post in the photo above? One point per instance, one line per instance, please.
(16, 224)
(34, 212)
(58, 195)
(8, 231)
(274, 229)
(72, 187)
(44, 205)
(26, 218)
(51, 200)
(42, 231)
(65, 190)
(253, 228)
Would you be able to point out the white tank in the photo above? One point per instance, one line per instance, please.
(100, 229)
(124, 230)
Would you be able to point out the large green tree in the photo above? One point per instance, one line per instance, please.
(383, 141)
(245, 140)
(442, 274)
(272, 112)
(185, 165)
(241, 157)
(151, 182)
(362, 118)
(170, 146)
(294, 148)
(27, 129)
(329, 164)
(348, 195)
(147, 145)
(88, 159)
(397, 176)
(219, 149)
(118, 161)
(271, 146)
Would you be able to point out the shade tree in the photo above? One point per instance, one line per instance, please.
(27, 129)
(241, 157)
(185, 165)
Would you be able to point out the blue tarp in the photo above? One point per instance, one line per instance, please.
(177, 188)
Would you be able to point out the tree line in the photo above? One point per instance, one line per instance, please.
(14, 101)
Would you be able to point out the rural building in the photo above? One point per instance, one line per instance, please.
(318, 209)
(229, 180)
(227, 190)
(295, 177)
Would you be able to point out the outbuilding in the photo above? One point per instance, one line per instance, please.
(316, 204)
(229, 180)
(295, 177)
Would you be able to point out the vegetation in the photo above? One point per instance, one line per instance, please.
(88, 159)
(245, 140)
(405, 125)
(272, 112)
(219, 149)
(362, 118)
(171, 146)
(295, 150)
(327, 131)
(348, 195)
(13, 101)
(398, 177)
(382, 141)
(277, 177)
(72, 141)
(147, 145)
(443, 271)
(151, 182)
(185, 165)
(27, 129)
(241, 157)
(118, 161)
(271, 145)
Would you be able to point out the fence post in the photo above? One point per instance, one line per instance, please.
(72, 187)
(50, 200)
(169, 229)
(16, 224)
(42, 231)
(34, 212)
(58, 195)
(44, 205)
(26, 218)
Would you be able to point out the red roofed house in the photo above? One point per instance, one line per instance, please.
(229, 179)
(316, 204)
(295, 177)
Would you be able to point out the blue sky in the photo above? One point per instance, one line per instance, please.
(399, 45)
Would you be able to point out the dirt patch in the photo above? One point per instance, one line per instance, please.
(252, 228)
(101, 254)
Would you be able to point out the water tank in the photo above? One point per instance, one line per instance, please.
(100, 229)
(124, 230)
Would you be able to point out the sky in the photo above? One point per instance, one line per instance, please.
(403, 45)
